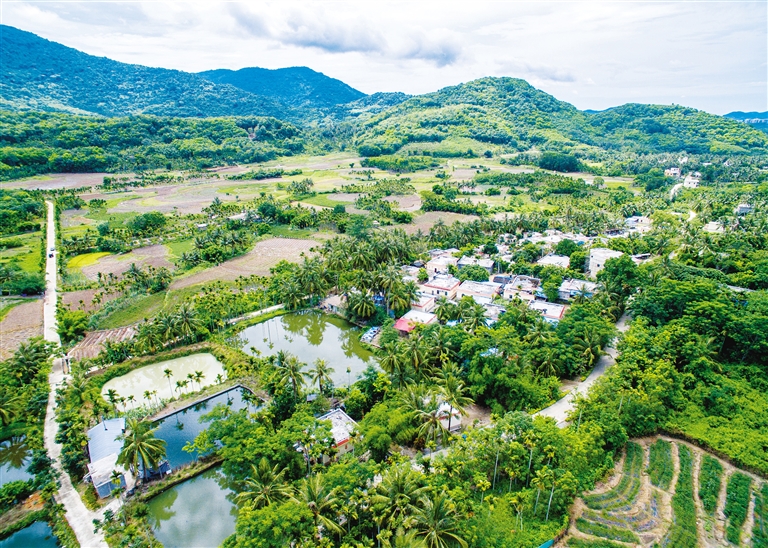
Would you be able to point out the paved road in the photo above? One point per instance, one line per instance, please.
(78, 516)
(563, 407)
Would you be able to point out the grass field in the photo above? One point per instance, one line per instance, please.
(86, 259)
(181, 246)
(144, 307)
(324, 201)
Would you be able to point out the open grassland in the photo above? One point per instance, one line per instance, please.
(667, 493)
(27, 255)
(141, 307)
(86, 259)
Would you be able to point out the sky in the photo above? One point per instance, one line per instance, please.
(709, 55)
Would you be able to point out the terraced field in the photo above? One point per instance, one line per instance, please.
(670, 494)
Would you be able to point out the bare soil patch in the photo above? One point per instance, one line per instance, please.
(73, 298)
(405, 203)
(21, 324)
(259, 260)
(153, 255)
(344, 196)
(59, 180)
(428, 220)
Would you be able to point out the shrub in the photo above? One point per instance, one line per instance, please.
(683, 532)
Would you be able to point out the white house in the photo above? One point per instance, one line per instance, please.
(443, 285)
(551, 312)
(342, 426)
(561, 261)
(570, 288)
(487, 290)
(411, 319)
(598, 256)
(439, 265)
(524, 288)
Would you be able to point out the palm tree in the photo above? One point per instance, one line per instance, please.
(361, 304)
(9, 404)
(199, 376)
(148, 396)
(453, 391)
(428, 413)
(397, 496)
(588, 347)
(180, 386)
(315, 495)
(140, 447)
(265, 485)
(131, 399)
(113, 397)
(186, 322)
(320, 373)
(167, 373)
(436, 522)
(116, 478)
(289, 370)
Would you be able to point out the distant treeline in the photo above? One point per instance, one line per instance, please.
(33, 142)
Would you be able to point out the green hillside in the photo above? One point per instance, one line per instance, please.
(36, 74)
(510, 113)
(295, 86)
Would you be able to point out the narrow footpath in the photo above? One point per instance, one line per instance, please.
(563, 407)
(78, 516)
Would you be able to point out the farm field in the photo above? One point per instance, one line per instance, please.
(258, 261)
(668, 493)
(21, 323)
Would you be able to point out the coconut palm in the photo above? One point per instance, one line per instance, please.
(113, 398)
(198, 377)
(167, 373)
(186, 322)
(436, 522)
(588, 347)
(361, 304)
(320, 373)
(265, 485)
(140, 447)
(289, 370)
(9, 406)
(396, 498)
(321, 502)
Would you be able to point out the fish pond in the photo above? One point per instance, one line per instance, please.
(310, 335)
(197, 512)
(15, 456)
(152, 377)
(38, 534)
(183, 426)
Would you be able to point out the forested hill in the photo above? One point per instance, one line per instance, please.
(37, 74)
(512, 113)
(294, 86)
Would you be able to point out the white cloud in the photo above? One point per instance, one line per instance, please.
(594, 54)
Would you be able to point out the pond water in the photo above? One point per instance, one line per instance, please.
(151, 377)
(310, 335)
(15, 456)
(184, 426)
(198, 512)
(38, 534)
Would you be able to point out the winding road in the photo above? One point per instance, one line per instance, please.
(79, 517)
(563, 407)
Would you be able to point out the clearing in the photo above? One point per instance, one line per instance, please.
(153, 255)
(259, 260)
(23, 322)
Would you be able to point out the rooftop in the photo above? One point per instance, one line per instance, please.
(102, 438)
(444, 282)
(571, 284)
(548, 310)
(342, 425)
(481, 288)
(555, 260)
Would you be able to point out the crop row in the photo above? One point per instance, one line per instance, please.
(736, 504)
(709, 483)
(760, 531)
(660, 467)
(629, 485)
(682, 533)
(581, 543)
(605, 531)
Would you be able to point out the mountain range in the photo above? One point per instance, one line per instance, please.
(39, 75)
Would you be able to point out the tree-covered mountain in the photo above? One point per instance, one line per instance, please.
(298, 87)
(512, 113)
(37, 74)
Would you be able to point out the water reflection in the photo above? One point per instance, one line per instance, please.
(38, 534)
(198, 512)
(15, 456)
(184, 426)
(310, 335)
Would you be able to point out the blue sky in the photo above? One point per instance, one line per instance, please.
(708, 55)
